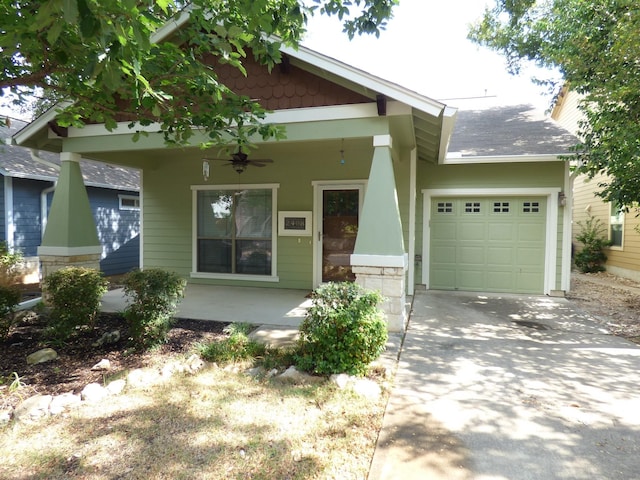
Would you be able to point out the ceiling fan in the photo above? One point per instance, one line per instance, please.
(239, 161)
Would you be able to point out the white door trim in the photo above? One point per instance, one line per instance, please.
(320, 186)
(551, 223)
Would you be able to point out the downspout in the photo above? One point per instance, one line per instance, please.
(36, 158)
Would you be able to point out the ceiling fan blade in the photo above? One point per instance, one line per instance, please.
(261, 160)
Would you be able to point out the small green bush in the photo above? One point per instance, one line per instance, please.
(9, 298)
(236, 347)
(592, 236)
(74, 295)
(155, 296)
(10, 269)
(343, 332)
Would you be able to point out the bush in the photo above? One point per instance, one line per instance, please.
(10, 268)
(155, 296)
(74, 295)
(592, 236)
(237, 346)
(343, 331)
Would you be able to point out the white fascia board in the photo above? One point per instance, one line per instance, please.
(172, 25)
(448, 121)
(451, 159)
(367, 80)
(39, 123)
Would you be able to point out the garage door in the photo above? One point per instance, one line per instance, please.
(488, 244)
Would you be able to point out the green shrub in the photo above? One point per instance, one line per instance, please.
(74, 295)
(9, 298)
(10, 295)
(343, 332)
(155, 296)
(236, 347)
(592, 236)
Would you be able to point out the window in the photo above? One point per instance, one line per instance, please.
(472, 207)
(445, 207)
(235, 232)
(531, 207)
(129, 202)
(500, 207)
(616, 225)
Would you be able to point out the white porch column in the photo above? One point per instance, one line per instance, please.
(379, 260)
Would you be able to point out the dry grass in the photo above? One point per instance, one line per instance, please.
(213, 425)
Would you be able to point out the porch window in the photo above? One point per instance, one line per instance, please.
(616, 225)
(235, 232)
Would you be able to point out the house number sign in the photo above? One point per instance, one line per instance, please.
(294, 224)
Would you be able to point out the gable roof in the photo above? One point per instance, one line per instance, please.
(23, 162)
(431, 120)
(508, 131)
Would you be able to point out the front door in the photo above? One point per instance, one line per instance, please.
(338, 227)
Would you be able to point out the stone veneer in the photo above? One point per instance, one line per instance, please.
(52, 263)
(390, 282)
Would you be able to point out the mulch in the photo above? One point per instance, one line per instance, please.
(71, 371)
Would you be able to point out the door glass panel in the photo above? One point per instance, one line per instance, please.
(340, 228)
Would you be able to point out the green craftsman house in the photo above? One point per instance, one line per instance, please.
(371, 184)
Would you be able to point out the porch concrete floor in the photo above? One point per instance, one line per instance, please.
(258, 306)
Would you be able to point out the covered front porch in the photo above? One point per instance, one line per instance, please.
(254, 305)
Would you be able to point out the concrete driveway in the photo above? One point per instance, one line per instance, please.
(510, 387)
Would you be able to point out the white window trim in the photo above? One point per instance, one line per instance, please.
(551, 249)
(274, 233)
(122, 197)
(620, 247)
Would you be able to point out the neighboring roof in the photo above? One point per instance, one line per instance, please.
(20, 162)
(508, 131)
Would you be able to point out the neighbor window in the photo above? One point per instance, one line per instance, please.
(129, 202)
(234, 231)
(616, 225)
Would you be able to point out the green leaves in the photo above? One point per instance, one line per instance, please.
(596, 47)
(103, 58)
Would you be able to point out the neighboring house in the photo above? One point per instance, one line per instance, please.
(362, 187)
(623, 256)
(26, 191)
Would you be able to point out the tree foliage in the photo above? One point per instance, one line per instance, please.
(596, 46)
(110, 58)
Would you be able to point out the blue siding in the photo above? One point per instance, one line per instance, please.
(3, 212)
(117, 230)
(27, 234)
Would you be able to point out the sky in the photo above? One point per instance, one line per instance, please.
(425, 49)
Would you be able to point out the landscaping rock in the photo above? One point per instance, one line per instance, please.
(63, 402)
(194, 364)
(341, 380)
(103, 364)
(107, 338)
(292, 375)
(33, 409)
(94, 392)
(5, 416)
(41, 356)
(116, 387)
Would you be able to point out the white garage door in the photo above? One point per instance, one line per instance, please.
(488, 244)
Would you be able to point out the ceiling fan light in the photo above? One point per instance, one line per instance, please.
(239, 167)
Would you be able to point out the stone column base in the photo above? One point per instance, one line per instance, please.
(390, 282)
(52, 263)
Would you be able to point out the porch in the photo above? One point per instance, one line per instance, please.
(258, 306)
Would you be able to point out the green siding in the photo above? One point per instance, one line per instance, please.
(167, 203)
